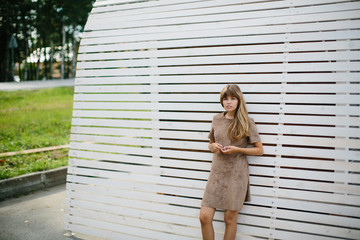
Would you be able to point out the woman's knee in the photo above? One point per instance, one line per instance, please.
(206, 216)
(230, 217)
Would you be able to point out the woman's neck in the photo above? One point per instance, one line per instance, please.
(230, 115)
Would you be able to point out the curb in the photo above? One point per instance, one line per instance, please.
(21, 185)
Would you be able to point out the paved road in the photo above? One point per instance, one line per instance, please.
(28, 85)
(37, 216)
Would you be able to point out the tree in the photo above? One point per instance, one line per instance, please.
(37, 25)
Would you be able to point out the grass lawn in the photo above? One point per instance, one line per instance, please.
(34, 119)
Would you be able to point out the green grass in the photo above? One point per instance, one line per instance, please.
(34, 119)
(28, 163)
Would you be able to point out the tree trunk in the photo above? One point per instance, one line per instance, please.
(38, 64)
(45, 64)
(51, 59)
(73, 67)
(63, 53)
(25, 62)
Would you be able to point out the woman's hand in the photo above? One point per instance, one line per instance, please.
(257, 150)
(215, 147)
(229, 150)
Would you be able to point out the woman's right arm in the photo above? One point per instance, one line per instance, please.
(215, 147)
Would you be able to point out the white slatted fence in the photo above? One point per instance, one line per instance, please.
(148, 81)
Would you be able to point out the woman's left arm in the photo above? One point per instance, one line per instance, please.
(256, 150)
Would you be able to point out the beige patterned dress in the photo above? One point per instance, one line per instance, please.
(228, 183)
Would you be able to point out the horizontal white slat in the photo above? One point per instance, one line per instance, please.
(211, 33)
(305, 141)
(150, 7)
(93, 231)
(143, 7)
(190, 145)
(237, 12)
(233, 20)
(248, 221)
(124, 4)
(190, 230)
(177, 102)
(181, 101)
(95, 205)
(136, 203)
(265, 211)
(293, 47)
(274, 109)
(337, 165)
(198, 232)
(129, 212)
(257, 200)
(214, 50)
(305, 206)
(178, 232)
(201, 126)
(138, 192)
(189, 194)
(204, 88)
(164, 217)
(296, 39)
(294, 194)
(117, 110)
(174, 110)
(129, 230)
(294, 130)
(141, 151)
(263, 181)
(181, 149)
(259, 58)
(331, 131)
(140, 133)
(290, 173)
(315, 218)
(108, 2)
(305, 195)
(97, 100)
(205, 165)
(223, 78)
(139, 178)
(236, 68)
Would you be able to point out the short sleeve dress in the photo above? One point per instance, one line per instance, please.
(228, 183)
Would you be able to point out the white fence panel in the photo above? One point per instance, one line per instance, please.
(149, 75)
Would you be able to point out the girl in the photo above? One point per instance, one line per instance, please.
(228, 184)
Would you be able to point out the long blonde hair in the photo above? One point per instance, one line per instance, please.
(240, 126)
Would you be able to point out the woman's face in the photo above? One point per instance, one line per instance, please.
(230, 103)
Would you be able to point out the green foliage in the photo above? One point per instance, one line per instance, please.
(35, 24)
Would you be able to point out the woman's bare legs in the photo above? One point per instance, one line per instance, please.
(206, 218)
(230, 219)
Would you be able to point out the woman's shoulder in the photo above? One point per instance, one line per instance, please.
(251, 120)
(218, 116)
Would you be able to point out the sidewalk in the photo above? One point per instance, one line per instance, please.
(36, 216)
(28, 85)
